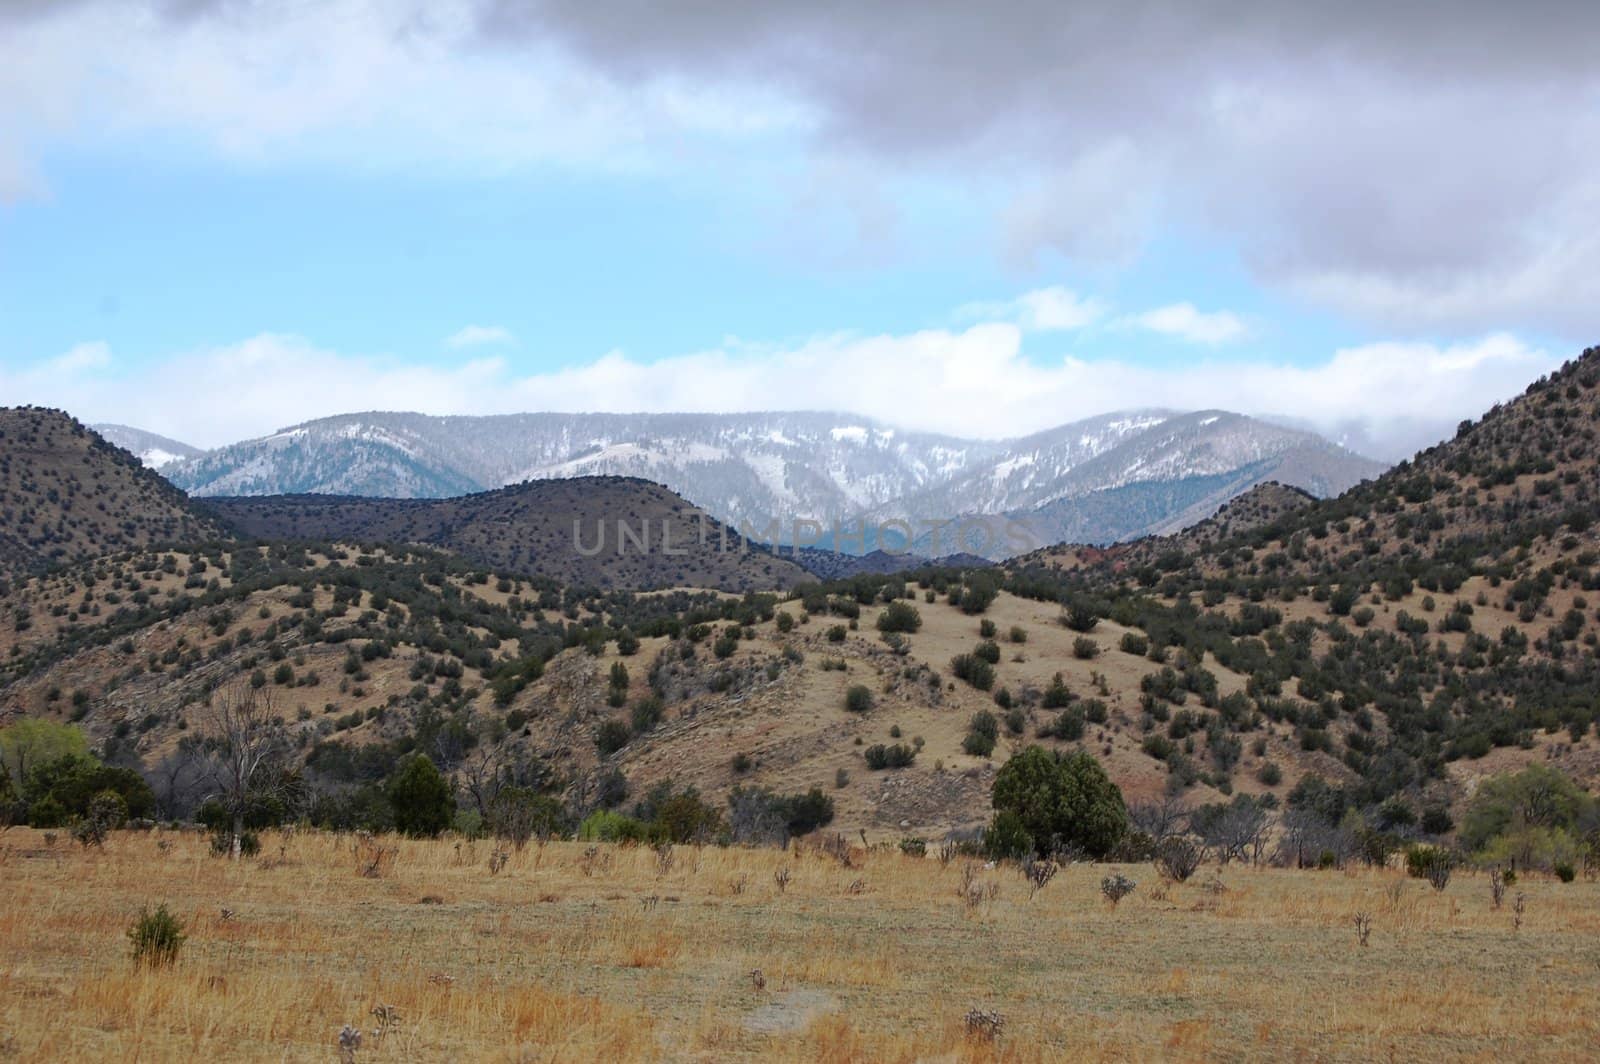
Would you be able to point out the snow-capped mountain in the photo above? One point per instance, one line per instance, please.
(754, 466)
(768, 470)
(156, 452)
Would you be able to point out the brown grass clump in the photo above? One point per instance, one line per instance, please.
(552, 958)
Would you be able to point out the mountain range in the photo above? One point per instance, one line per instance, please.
(1104, 479)
(1393, 645)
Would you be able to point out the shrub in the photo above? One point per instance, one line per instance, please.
(858, 699)
(986, 629)
(982, 731)
(805, 813)
(107, 812)
(612, 735)
(881, 757)
(988, 650)
(1058, 695)
(974, 670)
(1007, 838)
(605, 825)
(1115, 887)
(979, 594)
(1565, 872)
(899, 616)
(1436, 820)
(1062, 800)
(1068, 727)
(1177, 857)
(646, 714)
(836, 633)
(1269, 774)
(1080, 616)
(156, 938)
(1135, 644)
(518, 814)
(1084, 648)
(1433, 863)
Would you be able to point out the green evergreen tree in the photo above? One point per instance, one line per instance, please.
(421, 798)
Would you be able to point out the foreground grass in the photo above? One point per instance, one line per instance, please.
(619, 954)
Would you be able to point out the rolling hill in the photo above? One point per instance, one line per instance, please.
(66, 495)
(589, 531)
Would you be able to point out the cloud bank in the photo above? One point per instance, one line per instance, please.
(1422, 168)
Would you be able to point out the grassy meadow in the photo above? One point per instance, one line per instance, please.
(573, 953)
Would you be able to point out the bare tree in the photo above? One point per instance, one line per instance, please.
(754, 818)
(1307, 836)
(1235, 831)
(178, 778)
(247, 743)
(492, 767)
(481, 776)
(1161, 818)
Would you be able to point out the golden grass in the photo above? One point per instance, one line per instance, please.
(565, 956)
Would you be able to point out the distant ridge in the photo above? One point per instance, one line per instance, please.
(1114, 477)
(565, 530)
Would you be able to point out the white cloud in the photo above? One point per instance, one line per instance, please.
(1447, 182)
(1185, 322)
(479, 336)
(973, 381)
(362, 85)
(92, 355)
(1053, 309)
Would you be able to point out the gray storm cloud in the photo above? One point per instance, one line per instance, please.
(1418, 165)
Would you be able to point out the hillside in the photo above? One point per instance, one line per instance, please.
(1107, 478)
(155, 451)
(1441, 615)
(588, 531)
(66, 494)
(1380, 652)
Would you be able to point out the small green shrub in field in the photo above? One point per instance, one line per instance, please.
(858, 699)
(1432, 863)
(157, 937)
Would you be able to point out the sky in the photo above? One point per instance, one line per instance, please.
(222, 218)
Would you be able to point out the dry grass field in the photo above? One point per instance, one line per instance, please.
(575, 953)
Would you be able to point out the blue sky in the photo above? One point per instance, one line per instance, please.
(188, 253)
(220, 218)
